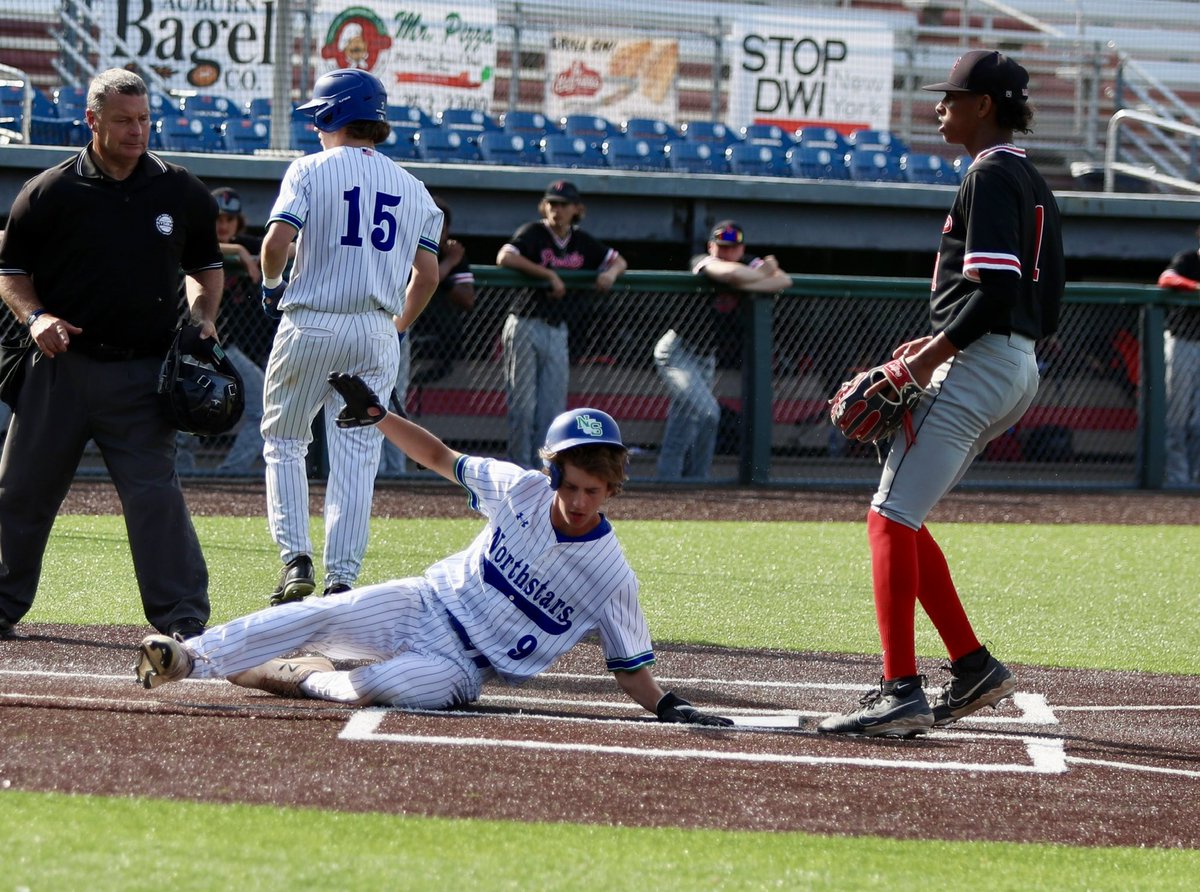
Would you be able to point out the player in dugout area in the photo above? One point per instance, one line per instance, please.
(546, 571)
(997, 289)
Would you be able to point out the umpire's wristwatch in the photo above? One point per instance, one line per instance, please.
(32, 317)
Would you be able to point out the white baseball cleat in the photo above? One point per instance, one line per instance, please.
(282, 677)
(162, 659)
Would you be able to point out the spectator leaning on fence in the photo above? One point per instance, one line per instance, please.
(686, 356)
(1182, 352)
(439, 327)
(535, 337)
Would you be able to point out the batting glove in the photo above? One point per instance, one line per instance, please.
(672, 708)
(362, 405)
(271, 298)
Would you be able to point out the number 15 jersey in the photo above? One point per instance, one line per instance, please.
(361, 219)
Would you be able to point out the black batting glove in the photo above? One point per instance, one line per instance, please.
(677, 710)
(271, 298)
(362, 405)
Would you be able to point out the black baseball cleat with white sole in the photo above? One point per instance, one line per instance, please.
(977, 680)
(897, 708)
(296, 581)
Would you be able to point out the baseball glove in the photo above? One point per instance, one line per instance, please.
(360, 401)
(870, 419)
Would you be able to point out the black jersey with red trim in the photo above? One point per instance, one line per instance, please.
(1000, 263)
(1184, 322)
(537, 242)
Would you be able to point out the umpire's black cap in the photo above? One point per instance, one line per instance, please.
(986, 71)
(728, 232)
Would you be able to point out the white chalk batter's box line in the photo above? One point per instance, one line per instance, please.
(1047, 755)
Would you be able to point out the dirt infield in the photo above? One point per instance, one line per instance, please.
(1084, 758)
(1077, 757)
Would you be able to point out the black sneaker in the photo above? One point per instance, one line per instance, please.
(296, 581)
(971, 689)
(336, 589)
(897, 709)
(183, 629)
(6, 630)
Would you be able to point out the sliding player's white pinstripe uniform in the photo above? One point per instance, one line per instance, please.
(509, 605)
(361, 218)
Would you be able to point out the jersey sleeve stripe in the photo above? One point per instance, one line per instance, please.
(290, 219)
(631, 664)
(979, 260)
(460, 468)
(428, 245)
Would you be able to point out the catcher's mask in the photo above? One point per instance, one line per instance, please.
(201, 395)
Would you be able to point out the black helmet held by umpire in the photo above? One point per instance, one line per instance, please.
(201, 389)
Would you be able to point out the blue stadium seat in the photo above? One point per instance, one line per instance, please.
(12, 101)
(500, 147)
(399, 144)
(560, 150)
(874, 165)
(70, 101)
(49, 131)
(931, 170)
(43, 106)
(765, 135)
(691, 156)
(304, 136)
(878, 141)
(631, 153)
(409, 117)
(436, 144)
(708, 131)
(648, 129)
(245, 136)
(467, 121)
(961, 163)
(163, 105)
(259, 107)
(822, 138)
(818, 163)
(208, 105)
(590, 127)
(527, 123)
(757, 161)
(181, 133)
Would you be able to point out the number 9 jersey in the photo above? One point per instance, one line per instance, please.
(361, 218)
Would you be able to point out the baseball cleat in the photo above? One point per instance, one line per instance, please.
(296, 581)
(969, 690)
(336, 589)
(897, 708)
(282, 677)
(162, 659)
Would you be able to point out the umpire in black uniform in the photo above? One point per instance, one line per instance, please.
(90, 264)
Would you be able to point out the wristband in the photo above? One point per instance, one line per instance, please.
(32, 317)
(271, 281)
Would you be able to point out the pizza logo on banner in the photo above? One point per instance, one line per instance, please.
(355, 39)
(578, 80)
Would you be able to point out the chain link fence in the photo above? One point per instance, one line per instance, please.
(1096, 421)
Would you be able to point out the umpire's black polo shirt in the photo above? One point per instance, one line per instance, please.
(105, 254)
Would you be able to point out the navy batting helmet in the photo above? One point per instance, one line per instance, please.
(578, 427)
(346, 95)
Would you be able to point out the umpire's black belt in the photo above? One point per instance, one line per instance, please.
(110, 353)
(472, 651)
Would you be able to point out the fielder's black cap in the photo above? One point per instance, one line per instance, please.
(986, 71)
(228, 201)
(728, 232)
(562, 190)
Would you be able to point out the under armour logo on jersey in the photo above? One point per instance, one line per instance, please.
(593, 427)
(523, 519)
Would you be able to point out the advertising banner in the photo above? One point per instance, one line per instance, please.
(226, 48)
(796, 70)
(430, 55)
(611, 78)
